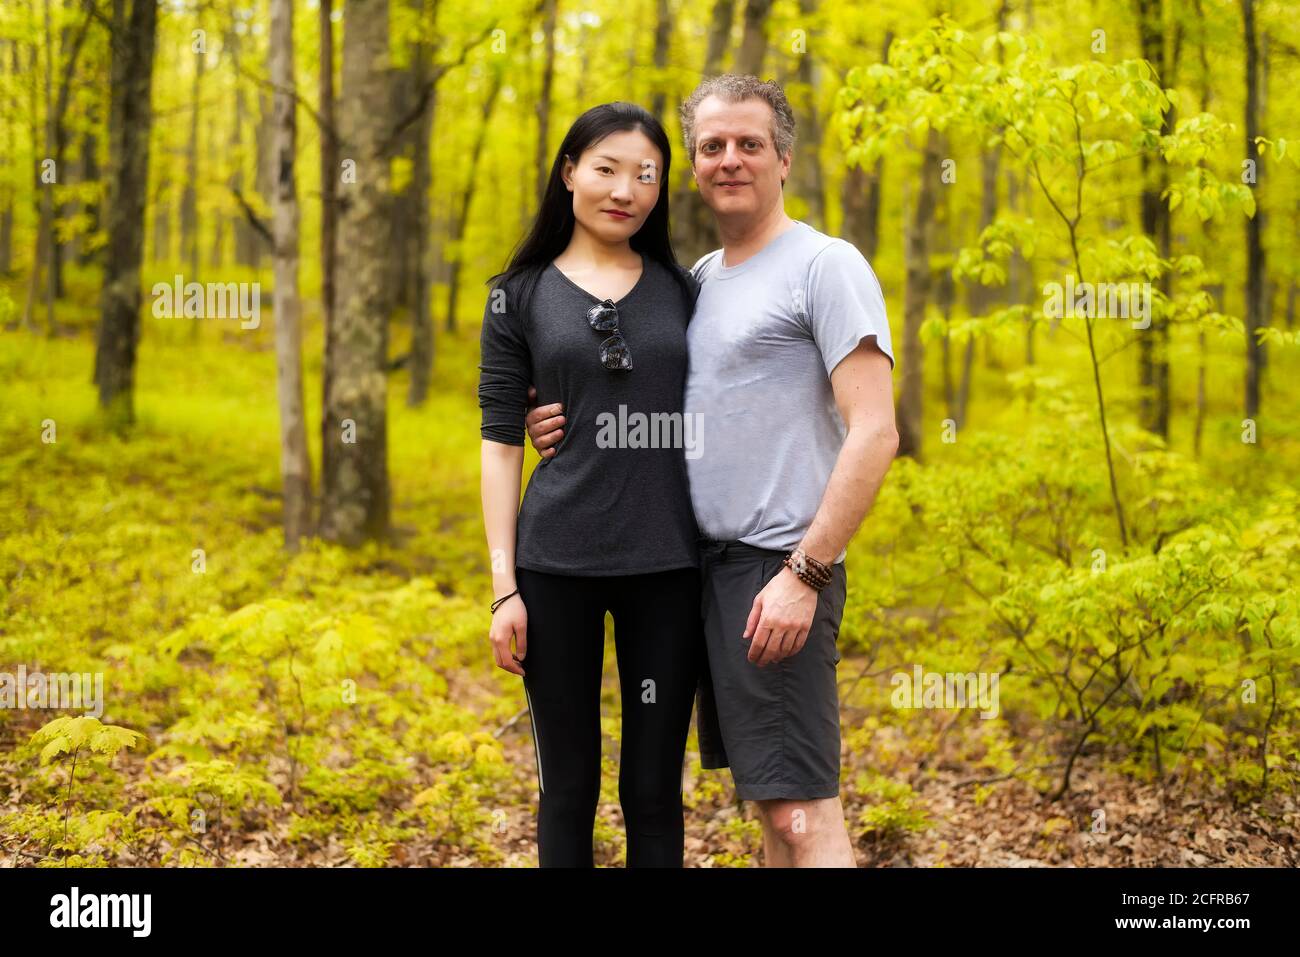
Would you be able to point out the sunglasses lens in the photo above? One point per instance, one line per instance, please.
(614, 353)
(603, 317)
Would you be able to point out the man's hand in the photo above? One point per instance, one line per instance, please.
(543, 424)
(780, 619)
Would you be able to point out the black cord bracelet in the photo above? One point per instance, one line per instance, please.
(497, 604)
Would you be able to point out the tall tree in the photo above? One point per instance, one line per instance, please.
(8, 188)
(663, 39)
(861, 190)
(354, 474)
(753, 43)
(1153, 346)
(916, 293)
(418, 285)
(808, 166)
(295, 464)
(134, 34)
(1255, 224)
(329, 184)
(542, 165)
(190, 194)
(461, 220)
(247, 240)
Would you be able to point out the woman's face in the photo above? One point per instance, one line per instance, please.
(615, 184)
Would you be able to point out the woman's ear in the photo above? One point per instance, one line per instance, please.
(566, 173)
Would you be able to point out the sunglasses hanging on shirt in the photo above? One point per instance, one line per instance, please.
(614, 354)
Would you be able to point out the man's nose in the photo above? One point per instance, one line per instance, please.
(731, 158)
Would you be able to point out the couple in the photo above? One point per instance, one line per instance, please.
(771, 441)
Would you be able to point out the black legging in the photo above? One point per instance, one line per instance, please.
(658, 638)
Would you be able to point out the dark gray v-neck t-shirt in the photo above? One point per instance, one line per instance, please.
(614, 499)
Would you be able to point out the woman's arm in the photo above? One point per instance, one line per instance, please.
(504, 368)
(502, 467)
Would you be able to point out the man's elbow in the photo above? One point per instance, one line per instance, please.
(889, 439)
(877, 436)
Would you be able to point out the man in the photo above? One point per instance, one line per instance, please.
(790, 369)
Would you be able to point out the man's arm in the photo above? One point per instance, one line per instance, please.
(544, 424)
(783, 611)
(864, 395)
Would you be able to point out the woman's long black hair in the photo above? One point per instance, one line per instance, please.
(553, 227)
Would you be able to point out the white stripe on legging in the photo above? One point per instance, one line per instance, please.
(536, 746)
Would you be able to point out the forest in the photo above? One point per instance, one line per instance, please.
(243, 254)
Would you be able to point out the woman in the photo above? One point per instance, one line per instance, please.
(592, 309)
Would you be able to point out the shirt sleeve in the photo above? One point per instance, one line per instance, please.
(845, 305)
(505, 371)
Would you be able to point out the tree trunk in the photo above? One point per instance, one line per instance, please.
(44, 251)
(47, 192)
(263, 175)
(860, 193)
(401, 201)
(719, 35)
(421, 365)
(808, 164)
(663, 38)
(355, 504)
(162, 221)
(190, 195)
(130, 117)
(89, 173)
(1254, 225)
(70, 45)
(295, 464)
(916, 294)
(1153, 343)
(462, 215)
(330, 172)
(8, 188)
(753, 43)
(34, 133)
(247, 239)
(542, 163)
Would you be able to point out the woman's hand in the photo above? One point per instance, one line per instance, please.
(510, 620)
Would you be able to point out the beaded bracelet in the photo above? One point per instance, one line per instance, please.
(807, 569)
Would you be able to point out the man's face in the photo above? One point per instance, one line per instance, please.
(735, 162)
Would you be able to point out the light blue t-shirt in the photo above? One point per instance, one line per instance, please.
(763, 341)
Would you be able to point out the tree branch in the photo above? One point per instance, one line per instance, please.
(253, 219)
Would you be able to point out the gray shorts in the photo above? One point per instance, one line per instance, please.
(776, 727)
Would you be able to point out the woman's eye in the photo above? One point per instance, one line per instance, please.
(603, 169)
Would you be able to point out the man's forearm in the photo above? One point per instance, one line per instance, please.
(859, 472)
